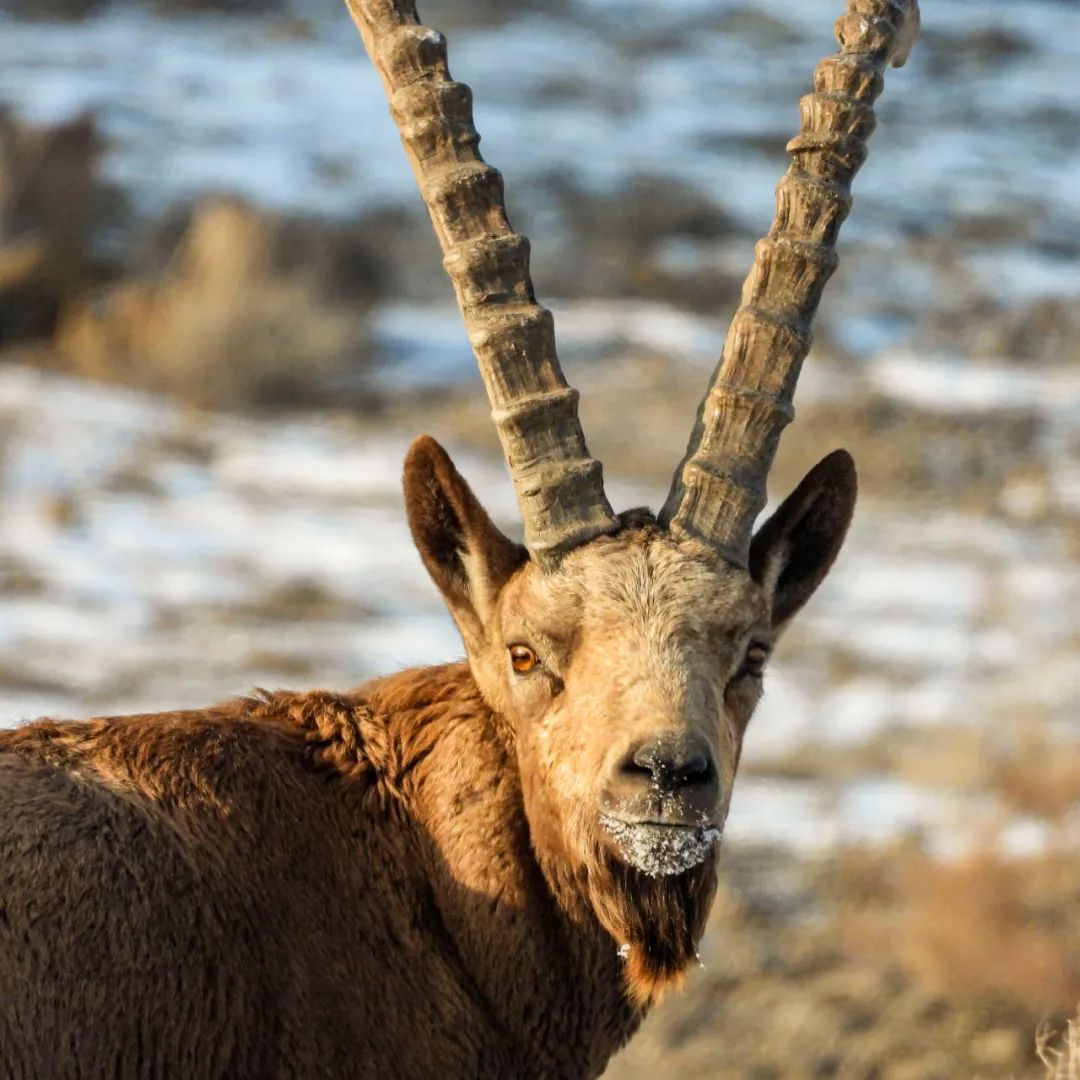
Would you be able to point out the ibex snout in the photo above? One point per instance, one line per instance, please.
(660, 807)
(669, 764)
(667, 779)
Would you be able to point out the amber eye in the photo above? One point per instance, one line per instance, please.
(754, 664)
(522, 659)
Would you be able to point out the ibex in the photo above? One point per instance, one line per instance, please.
(484, 869)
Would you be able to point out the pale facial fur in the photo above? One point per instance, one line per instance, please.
(626, 672)
(637, 636)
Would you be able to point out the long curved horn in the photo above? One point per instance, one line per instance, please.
(719, 486)
(559, 486)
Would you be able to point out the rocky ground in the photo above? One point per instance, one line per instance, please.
(865, 965)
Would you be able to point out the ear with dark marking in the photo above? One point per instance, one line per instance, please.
(793, 550)
(468, 558)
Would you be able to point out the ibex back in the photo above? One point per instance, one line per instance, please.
(486, 869)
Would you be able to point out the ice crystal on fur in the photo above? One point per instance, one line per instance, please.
(661, 850)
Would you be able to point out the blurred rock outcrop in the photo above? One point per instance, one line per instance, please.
(79, 9)
(53, 9)
(247, 309)
(52, 202)
(218, 304)
(653, 238)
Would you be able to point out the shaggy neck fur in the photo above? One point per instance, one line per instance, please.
(599, 943)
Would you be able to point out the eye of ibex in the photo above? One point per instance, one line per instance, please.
(754, 664)
(523, 659)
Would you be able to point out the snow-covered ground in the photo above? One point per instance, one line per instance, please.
(292, 115)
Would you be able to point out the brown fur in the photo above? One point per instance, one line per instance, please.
(300, 885)
(414, 879)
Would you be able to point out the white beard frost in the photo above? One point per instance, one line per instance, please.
(661, 850)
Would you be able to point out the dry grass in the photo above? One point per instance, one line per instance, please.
(987, 927)
(876, 963)
(1059, 1049)
(1041, 779)
(990, 934)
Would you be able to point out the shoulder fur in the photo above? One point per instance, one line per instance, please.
(377, 735)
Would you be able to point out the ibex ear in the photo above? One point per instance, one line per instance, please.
(467, 557)
(793, 550)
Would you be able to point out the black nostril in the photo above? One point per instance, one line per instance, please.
(694, 769)
(636, 768)
(670, 764)
(645, 759)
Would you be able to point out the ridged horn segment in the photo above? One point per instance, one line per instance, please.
(559, 486)
(719, 487)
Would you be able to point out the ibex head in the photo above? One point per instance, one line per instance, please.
(625, 652)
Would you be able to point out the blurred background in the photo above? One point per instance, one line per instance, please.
(223, 318)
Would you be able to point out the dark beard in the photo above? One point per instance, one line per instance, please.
(661, 919)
